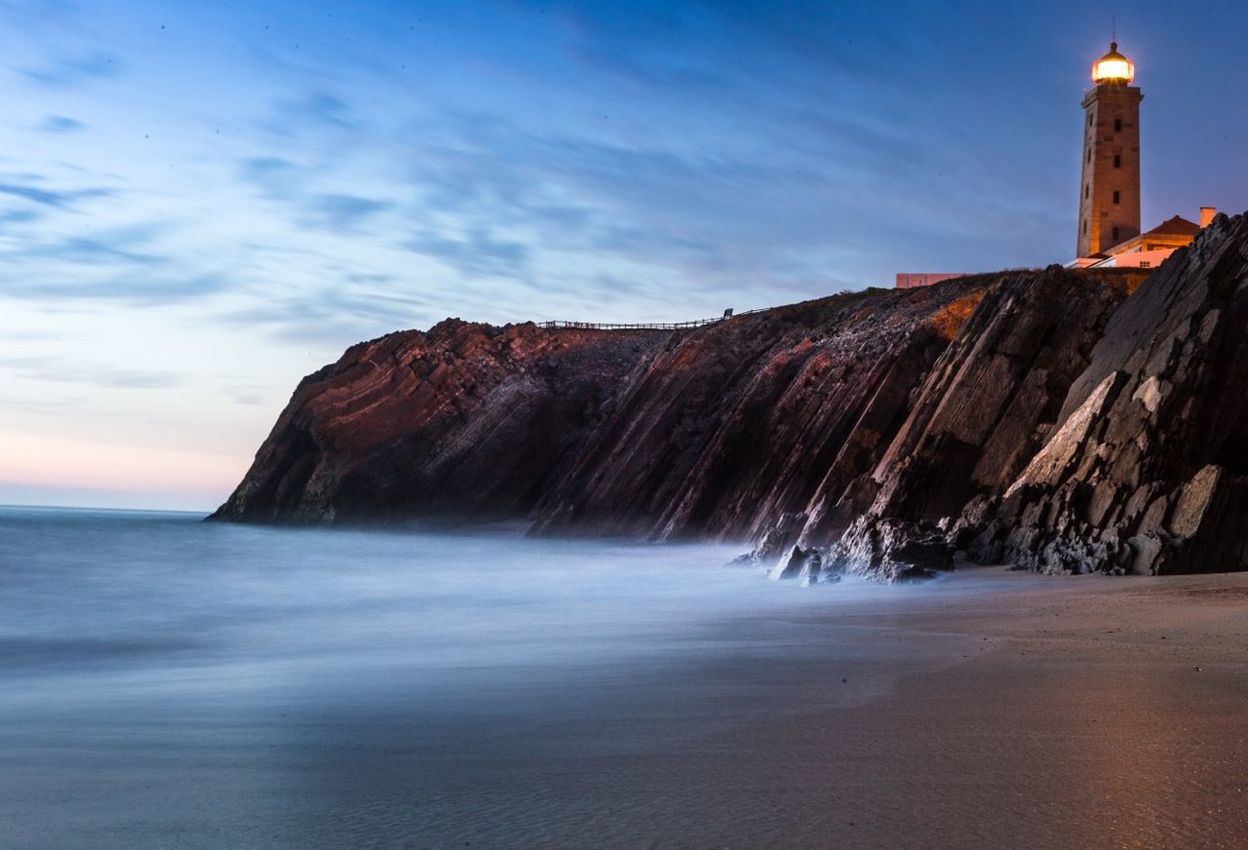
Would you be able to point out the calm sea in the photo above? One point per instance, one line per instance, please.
(170, 683)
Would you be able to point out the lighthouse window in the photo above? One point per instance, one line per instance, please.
(1117, 160)
(1086, 189)
(1085, 225)
(1115, 197)
(1117, 125)
(1115, 234)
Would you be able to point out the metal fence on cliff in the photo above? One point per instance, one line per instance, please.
(646, 326)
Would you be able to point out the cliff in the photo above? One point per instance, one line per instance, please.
(1148, 472)
(1139, 468)
(702, 432)
(463, 421)
(1063, 420)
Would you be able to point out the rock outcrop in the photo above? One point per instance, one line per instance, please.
(891, 549)
(987, 404)
(725, 429)
(464, 421)
(1148, 472)
(713, 432)
(1067, 421)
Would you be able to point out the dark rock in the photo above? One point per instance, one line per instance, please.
(798, 563)
(984, 409)
(466, 421)
(723, 430)
(710, 433)
(893, 550)
(776, 541)
(1148, 469)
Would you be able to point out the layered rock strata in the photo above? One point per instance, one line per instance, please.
(986, 406)
(464, 421)
(1148, 471)
(711, 432)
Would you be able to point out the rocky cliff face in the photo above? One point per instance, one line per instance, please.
(721, 430)
(1148, 471)
(1050, 418)
(462, 421)
(985, 407)
(697, 433)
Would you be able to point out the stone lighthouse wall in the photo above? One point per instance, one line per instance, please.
(1109, 193)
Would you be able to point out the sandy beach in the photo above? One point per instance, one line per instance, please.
(1060, 712)
(994, 710)
(991, 710)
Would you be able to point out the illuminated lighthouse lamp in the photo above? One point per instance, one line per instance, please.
(1113, 68)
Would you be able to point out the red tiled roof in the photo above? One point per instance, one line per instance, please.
(1175, 226)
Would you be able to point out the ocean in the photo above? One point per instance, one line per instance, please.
(173, 683)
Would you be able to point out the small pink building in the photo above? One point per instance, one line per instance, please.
(913, 279)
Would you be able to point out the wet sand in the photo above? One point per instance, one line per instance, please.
(997, 710)
(1082, 712)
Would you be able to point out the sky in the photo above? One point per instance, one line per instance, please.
(202, 202)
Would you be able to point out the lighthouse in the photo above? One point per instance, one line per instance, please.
(1109, 185)
(1109, 193)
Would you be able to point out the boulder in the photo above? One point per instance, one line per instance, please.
(892, 550)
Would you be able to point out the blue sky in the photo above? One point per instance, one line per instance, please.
(202, 202)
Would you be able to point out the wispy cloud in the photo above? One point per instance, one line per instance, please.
(63, 199)
(311, 111)
(136, 291)
(335, 318)
(274, 177)
(342, 213)
(248, 395)
(140, 291)
(279, 179)
(76, 70)
(23, 216)
(60, 124)
(476, 254)
(65, 370)
(115, 248)
(64, 261)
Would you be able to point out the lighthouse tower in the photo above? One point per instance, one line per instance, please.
(1109, 193)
